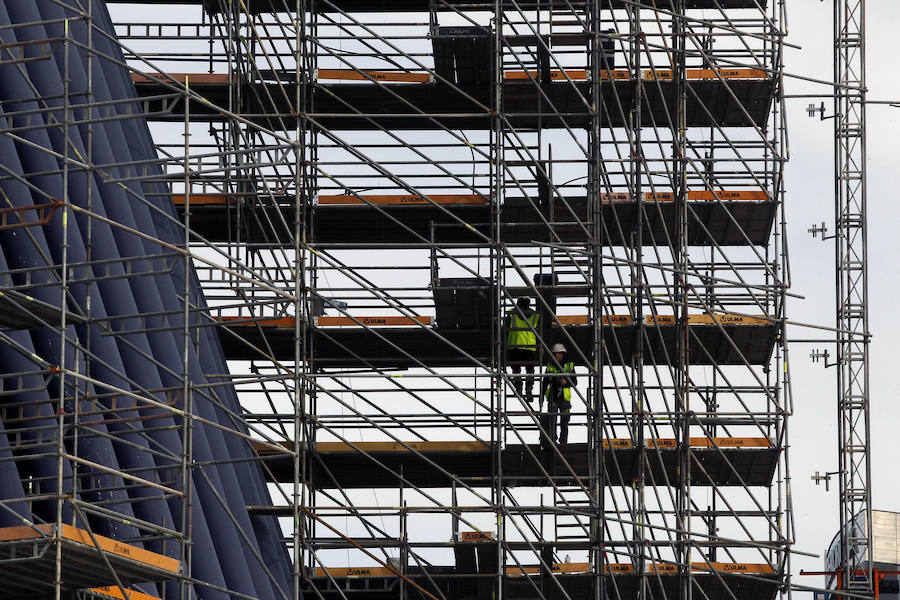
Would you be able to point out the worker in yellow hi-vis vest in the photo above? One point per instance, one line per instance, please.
(521, 346)
(556, 388)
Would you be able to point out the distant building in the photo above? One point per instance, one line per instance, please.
(885, 552)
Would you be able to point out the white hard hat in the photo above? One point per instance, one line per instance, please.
(558, 348)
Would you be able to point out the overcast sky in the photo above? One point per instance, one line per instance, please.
(810, 199)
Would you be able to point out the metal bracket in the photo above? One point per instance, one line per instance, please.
(826, 478)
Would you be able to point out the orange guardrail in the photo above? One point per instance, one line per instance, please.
(444, 446)
(371, 321)
(365, 75)
(706, 74)
(80, 536)
(706, 319)
(193, 78)
(555, 75)
(696, 442)
(402, 199)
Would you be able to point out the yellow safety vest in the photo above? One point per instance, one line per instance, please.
(520, 334)
(568, 367)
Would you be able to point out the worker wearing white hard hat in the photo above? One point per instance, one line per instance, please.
(556, 389)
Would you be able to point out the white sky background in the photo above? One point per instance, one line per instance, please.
(810, 200)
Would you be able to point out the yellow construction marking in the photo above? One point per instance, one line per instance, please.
(660, 74)
(618, 568)
(195, 78)
(555, 568)
(659, 319)
(696, 442)
(555, 75)
(614, 568)
(756, 568)
(727, 319)
(699, 195)
(476, 446)
(371, 321)
(571, 320)
(662, 443)
(615, 320)
(648, 197)
(334, 447)
(113, 591)
(662, 569)
(730, 442)
(355, 75)
(725, 73)
(476, 536)
(403, 199)
(616, 197)
(617, 443)
(659, 197)
(201, 199)
(672, 569)
(354, 572)
(615, 74)
(706, 319)
(724, 319)
(283, 322)
(583, 320)
(727, 195)
(706, 74)
(653, 568)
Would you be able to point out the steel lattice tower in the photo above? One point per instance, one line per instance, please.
(852, 293)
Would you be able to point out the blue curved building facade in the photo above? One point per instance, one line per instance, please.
(119, 336)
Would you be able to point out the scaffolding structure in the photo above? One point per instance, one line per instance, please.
(852, 303)
(363, 191)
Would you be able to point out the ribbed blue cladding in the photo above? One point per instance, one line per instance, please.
(230, 549)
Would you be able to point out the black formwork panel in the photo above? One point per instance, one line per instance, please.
(581, 586)
(463, 303)
(358, 224)
(726, 223)
(526, 466)
(522, 220)
(407, 347)
(724, 466)
(463, 54)
(708, 344)
(243, 222)
(382, 469)
(423, 106)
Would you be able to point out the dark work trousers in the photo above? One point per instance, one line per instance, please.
(562, 411)
(516, 359)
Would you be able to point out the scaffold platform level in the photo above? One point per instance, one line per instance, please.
(660, 568)
(361, 6)
(422, 106)
(577, 586)
(114, 592)
(718, 220)
(28, 560)
(721, 462)
(21, 311)
(407, 347)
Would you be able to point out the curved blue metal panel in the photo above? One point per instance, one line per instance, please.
(139, 354)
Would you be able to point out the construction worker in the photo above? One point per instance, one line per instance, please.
(556, 388)
(521, 345)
